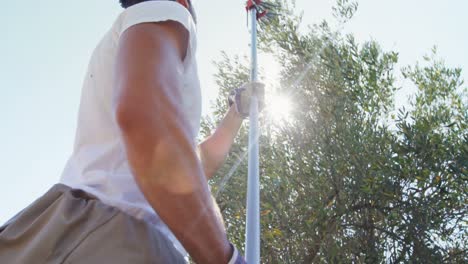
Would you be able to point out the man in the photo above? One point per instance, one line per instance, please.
(135, 188)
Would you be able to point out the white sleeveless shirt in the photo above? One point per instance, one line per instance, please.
(98, 164)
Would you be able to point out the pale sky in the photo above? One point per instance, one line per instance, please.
(45, 47)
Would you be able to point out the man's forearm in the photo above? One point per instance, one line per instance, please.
(214, 149)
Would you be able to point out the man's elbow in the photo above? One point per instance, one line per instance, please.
(131, 118)
(141, 143)
(148, 148)
(139, 132)
(124, 115)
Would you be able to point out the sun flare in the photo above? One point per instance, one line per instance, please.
(278, 105)
(279, 108)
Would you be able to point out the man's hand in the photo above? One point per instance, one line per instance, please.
(241, 97)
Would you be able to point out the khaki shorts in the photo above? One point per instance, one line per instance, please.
(71, 226)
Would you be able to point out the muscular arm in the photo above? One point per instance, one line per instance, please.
(214, 149)
(158, 142)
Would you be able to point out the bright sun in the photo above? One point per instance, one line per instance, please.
(279, 108)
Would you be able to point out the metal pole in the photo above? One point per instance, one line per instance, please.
(252, 235)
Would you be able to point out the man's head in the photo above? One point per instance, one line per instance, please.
(186, 3)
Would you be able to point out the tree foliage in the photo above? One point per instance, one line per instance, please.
(350, 178)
